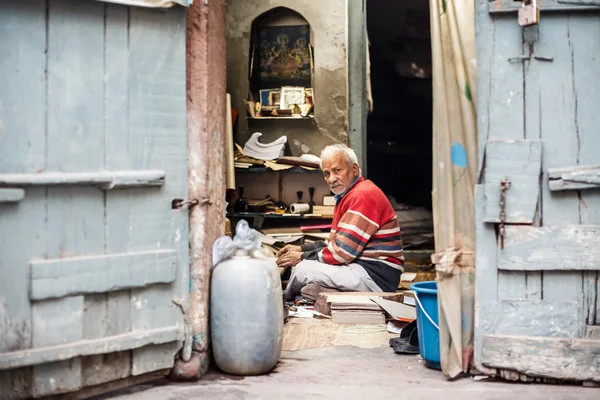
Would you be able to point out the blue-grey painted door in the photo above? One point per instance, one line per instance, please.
(538, 240)
(93, 149)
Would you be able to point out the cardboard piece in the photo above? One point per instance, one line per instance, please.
(398, 311)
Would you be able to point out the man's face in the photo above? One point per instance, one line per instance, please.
(338, 172)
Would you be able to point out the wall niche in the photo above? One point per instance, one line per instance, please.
(328, 72)
(281, 66)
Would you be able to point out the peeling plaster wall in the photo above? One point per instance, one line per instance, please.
(330, 83)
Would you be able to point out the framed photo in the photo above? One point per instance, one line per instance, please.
(274, 98)
(310, 97)
(265, 96)
(291, 95)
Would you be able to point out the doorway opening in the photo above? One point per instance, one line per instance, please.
(399, 128)
(399, 160)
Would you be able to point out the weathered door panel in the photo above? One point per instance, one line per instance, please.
(521, 161)
(93, 139)
(537, 296)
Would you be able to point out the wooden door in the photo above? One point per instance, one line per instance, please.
(537, 312)
(93, 149)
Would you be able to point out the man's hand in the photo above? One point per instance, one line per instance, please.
(289, 247)
(290, 258)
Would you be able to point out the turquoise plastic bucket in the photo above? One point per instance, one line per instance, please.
(427, 322)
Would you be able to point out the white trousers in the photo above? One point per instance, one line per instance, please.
(346, 278)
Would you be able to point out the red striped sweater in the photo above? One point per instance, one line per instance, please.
(364, 231)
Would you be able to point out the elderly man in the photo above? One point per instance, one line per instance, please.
(364, 249)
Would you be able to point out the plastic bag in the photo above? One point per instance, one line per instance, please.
(245, 238)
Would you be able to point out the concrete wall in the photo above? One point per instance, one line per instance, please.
(206, 113)
(328, 36)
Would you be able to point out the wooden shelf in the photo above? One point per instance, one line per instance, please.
(293, 170)
(276, 216)
(284, 118)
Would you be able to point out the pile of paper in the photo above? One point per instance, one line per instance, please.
(355, 310)
(365, 308)
(264, 151)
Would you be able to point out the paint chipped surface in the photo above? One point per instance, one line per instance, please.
(328, 34)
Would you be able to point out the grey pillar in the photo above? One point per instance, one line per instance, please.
(357, 76)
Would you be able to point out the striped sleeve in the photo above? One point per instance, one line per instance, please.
(353, 232)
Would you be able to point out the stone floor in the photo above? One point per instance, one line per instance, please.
(348, 372)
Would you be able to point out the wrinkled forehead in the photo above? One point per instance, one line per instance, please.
(333, 160)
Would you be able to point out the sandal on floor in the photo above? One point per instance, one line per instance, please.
(404, 333)
(409, 347)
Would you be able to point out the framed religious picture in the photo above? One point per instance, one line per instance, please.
(283, 56)
(291, 95)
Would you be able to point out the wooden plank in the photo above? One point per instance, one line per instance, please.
(22, 148)
(93, 391)
(501, 83)
(151, 309)
(574, 178)
(98, 274)
(23, 83)
(106, 315)
(558, 127)
(550, 248)
(585, 63)
(106, 180)
(534, 318)
(485, 30)
(56, 322)
(568, 359)
(75, 142)
(158, 139)
(15, 384)
(154, 358)
(99, 322)
(48, 330)
(533, 131)
(486, 274)
(595, 3)
(104, 368)
(94, 322)
(592, 331)
(519, 161)
(504, 80)
(11, 195)
(511, 6)
(105, 345)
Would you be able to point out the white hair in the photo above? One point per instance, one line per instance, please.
(348, 153)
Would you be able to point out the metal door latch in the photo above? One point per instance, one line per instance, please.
(522, 58)
(177, 204)
(504, 186)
